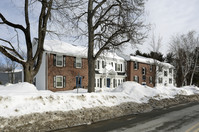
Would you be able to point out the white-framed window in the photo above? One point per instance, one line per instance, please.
(118, 82)
(170, 70)
(170, 80)
(150, 79)
(59, 81)
(98, 82)
(159, 68)
(119, 67)
(97, 64)
(136, 79)
(136, 65)
(143, 71)
(160, 80)
(59, 60)
(165, 73)
(78, 62)
(103, 64)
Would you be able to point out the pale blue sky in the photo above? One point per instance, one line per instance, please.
(168, 17)
(171, 17)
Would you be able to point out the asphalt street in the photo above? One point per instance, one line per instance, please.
(183, 118)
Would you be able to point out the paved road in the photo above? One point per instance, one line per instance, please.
(184, 118)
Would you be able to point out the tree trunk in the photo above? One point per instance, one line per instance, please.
(91, 58)
(28, 76)
(91, 75)
(194, 69)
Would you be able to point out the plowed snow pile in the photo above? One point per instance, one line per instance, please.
(24, 98)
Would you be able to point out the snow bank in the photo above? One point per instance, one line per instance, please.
(21, 88)
(24, 98)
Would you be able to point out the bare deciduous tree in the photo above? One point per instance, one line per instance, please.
(155, 46)
(184, 48)
(31, 62)
(108, 24)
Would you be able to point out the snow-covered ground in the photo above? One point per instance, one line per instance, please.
(24, 98)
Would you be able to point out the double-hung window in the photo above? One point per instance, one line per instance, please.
(97, 64)
(170, 80)
(170, 70)
(135, 65)
(78, 62)
(136, 79)
(59, 81)
(165, 73)
(150, 79)
(160, 80)
(59, 60)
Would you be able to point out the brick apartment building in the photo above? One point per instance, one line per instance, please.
(65, 72)
(65, 67)
(149, 72)
(141, 72)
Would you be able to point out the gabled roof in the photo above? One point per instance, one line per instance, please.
(60, 47)
(149, 61)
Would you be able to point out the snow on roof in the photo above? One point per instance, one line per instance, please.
(111, 54)
(149, 61)
(61, 47)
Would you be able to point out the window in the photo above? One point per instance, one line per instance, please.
(143, 71)
(98, 83)
(150, 79)
(59, 60)
(159, 80)
(159, 68)
(170, 70)
(118, 82)
(115, 82)
(136, 65)
(151, 68)
(136, 79)
(97, 64)
(119, 67)
(103, 64)
(59, 81)
(165, 73)
(170, 80)
(78, 62)
(115, 66)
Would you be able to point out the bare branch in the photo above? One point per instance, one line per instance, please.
(11, 24)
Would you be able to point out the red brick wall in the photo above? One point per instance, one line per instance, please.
(131, 72)
(69, 71)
